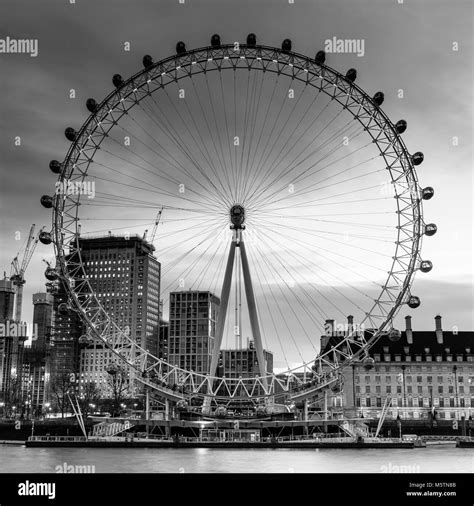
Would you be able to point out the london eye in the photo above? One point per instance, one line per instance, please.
(282, 187)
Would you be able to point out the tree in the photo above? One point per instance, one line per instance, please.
(13, 397)
(90, 394)
(118, 382)
(60, 388)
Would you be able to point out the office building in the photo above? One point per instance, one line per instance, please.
(419, 374)
(192, 327)
(125, 276)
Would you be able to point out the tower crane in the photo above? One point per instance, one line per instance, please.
(155, 226)
(18, 267)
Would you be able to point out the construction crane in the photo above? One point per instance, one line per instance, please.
(19, 266)
(155, 226)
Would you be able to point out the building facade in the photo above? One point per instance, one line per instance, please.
(420, 375)
(125, 277)
(243, 362)
(36, 359)
(192, 327)
(67, 328)
(13, 334)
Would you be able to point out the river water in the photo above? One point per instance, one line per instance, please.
(433, 459)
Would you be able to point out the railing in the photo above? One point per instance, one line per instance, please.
(57, 438)
(111, 428)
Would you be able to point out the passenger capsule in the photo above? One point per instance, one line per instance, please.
(215, 40)
(430, 229)
(182, 405)
(427, 193)
(70, 134)
(368, 363)
(394, 335)
(286, 45)
(180, 47)
(414, 302)
(426, 266)
(85, 339)
(251, 40)
(351, 75)
(117, 80)
(47, 201)
(261, 410)
(401, 126)
(320, 57)
(45, 238)
(378, 98)
(63, 309)
(55, 166)
(221, 411)
(147, 61)
(91, 105)
(112, 369)
(417, 158)
(51, 274)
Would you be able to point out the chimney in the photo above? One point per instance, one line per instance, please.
(350, 324)
(408, 330)
(439, 330)
(329, 327)
(328, 332)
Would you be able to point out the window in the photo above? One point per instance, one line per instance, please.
(429, 379)
(440, 379)
(367, 402)
(440, 389)
(388, 379)
(367, 389)
(419, 379)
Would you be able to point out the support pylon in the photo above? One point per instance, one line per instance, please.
(237, 218)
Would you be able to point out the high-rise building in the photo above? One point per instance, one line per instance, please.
(12, 337)
(36, 360)
(125, 276)
(192, 328)
(163, 350)
(243, 362)
(7, 299)
(67, 328)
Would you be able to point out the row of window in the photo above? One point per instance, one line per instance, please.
(416, 402)
(409, 379)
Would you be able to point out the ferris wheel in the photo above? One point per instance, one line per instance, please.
(282, 188)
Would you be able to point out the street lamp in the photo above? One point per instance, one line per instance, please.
(399, 423)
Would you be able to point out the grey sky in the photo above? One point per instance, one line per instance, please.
(408, 46)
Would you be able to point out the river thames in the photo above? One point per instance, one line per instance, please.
(433, 459)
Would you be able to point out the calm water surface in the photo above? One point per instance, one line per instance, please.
(442, 459)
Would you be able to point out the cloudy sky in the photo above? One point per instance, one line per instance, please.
(418, 53)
